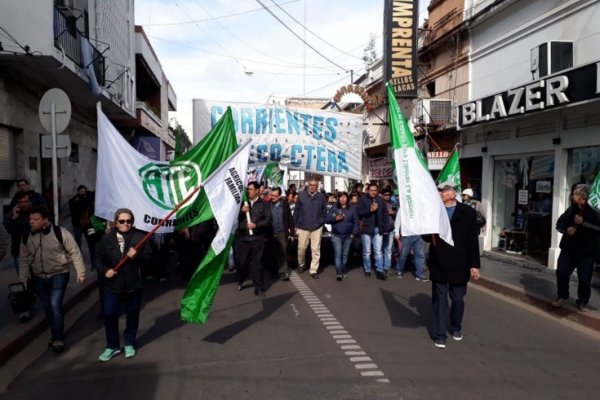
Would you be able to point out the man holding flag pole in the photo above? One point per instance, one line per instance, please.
(448, 225)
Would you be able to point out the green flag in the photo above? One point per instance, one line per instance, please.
(594, 199)
(451, 172)
(420, 210)
(224, 190)
(204, 158)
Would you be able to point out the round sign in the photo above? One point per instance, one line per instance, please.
(62, 110)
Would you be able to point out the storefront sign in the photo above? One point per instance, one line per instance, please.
(312, 140)
(400, 46)
(543, 187)
(437, 159)
(523, 197)
(380, 168)
(572, 86)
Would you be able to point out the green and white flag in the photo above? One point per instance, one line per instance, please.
(150, 188)
(420, 210)
(451, 173)
(594, 199)
(224, 189)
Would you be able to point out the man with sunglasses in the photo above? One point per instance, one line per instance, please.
(123, 287)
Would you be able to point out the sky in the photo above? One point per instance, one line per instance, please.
(239, 51)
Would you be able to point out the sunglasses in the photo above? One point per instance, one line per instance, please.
(125, 221)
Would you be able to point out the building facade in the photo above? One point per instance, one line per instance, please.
(532, 116)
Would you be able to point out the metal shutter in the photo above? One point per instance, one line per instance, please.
(8, 155)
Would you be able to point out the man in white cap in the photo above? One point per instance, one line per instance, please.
(451, 267)
(468, 199)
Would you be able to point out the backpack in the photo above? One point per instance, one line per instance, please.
(57, 233)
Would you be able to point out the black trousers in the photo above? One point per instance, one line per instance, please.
(249, 261)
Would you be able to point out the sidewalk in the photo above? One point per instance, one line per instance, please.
(530, 283)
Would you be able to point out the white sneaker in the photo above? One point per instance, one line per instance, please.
(559, 302)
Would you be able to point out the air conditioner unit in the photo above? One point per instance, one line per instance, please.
(436, 111)
(551, 57)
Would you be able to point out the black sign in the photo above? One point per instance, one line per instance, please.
(400, 46)
(572, 86)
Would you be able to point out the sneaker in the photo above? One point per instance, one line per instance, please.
(129, 351)
(583, 307)
(301, 269)
(367, 274)
(163, 280)
(239, 287)
(107, 354)
(58, 346)
(399, 275)
(381, 275)
(439, 343)
(457, 335)
(314, 275)
(284, 276)
(421, 279)
(24, 317)
(339, 277)
(559, 302)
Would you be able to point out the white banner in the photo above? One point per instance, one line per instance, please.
(118, 182)
(312, 140)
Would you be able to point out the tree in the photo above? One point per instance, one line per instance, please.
(370, 52)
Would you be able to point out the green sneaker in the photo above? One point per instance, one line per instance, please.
(107, 354)
(129, 352)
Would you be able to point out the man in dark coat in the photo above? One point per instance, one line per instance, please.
(451, 267)
(254, 222)
(283, 228)
(376, 222)
(580, 226)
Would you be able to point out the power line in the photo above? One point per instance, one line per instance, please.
(302, 40)
(214, 18)
(312, 33)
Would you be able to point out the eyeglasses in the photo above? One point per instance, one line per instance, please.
(125, 221)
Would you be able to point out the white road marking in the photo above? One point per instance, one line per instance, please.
(351, 348)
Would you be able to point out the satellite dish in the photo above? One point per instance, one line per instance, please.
(62, 110)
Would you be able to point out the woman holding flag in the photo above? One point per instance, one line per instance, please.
(123, 287)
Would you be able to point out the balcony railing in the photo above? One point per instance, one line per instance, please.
(68, 38)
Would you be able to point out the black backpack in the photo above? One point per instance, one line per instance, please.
(57, 233)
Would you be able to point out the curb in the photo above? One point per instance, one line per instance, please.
(38, 325)
(589, 319)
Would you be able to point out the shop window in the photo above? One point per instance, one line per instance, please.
(522, 208)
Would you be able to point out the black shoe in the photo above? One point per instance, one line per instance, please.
(58, 346)
(239, 287)
(338, 277)
(367, 274)
(301, 269)
(314, 275)
(381, 275)
(259, 293)
(284, 276)
(24, 317)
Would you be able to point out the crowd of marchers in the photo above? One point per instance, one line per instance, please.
(273, 234)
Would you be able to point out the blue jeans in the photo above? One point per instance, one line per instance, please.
(585, 270)
(417, 245)
(51, 292)
(341, 248)
(373, 242)
(388, 245)
(112, 306)
(439, 302)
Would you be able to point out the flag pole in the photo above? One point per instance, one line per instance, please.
(162, 221)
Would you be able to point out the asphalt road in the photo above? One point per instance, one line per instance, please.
(322, 339)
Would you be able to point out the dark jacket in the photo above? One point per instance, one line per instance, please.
(17, 228)
(288, 220)
(345, 227)
(585, 241)
(108, 254)
(379, 218)
(309, 213)
(448, 264)
(260, 214)
(82, 208)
